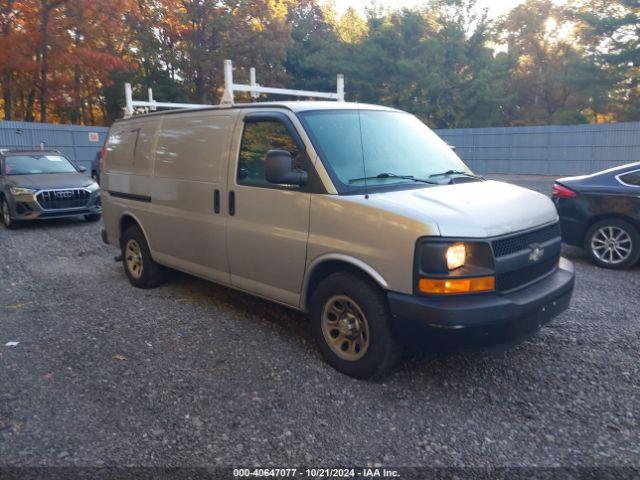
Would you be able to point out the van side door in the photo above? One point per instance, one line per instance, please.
(268, 224)
(187, 228)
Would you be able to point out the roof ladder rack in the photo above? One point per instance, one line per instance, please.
(256, 89)
(227, 100)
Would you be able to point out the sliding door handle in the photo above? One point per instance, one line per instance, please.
(232, 203)
(216, 201)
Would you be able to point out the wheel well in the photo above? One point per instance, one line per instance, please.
(126, 222)
(327, 268)
(604, 216)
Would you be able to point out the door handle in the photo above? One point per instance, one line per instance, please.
(232, 203)
(216, 201)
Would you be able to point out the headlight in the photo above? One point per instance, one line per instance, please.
(21, 191)
(456, 256)
(453, 267)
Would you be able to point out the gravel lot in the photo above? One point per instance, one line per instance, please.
(196, 374)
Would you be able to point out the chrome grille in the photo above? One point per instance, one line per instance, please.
(63, 199)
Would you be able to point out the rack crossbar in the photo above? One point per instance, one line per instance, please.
(230, 87)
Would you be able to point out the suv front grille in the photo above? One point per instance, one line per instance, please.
(63, 199)
(517, 243)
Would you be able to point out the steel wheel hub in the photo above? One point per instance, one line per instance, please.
(611, 245)
(345, 328)
(133, 257)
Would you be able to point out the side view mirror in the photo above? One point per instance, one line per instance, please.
(279, 169)
(82, 169)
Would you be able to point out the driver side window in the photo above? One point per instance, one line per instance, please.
(258, 138)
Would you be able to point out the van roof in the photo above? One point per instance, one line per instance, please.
(294, 106)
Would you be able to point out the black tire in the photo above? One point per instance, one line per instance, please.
(382, 352)
(151, 273)
(596, 237)
(93, 217)
(5, 214)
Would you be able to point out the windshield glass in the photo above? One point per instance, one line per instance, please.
(394, 144)
(33, 164)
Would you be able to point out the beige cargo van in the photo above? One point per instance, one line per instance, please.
(357, 214)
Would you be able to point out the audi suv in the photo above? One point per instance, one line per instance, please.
(40, 184)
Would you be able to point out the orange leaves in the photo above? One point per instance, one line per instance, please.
(86, 41)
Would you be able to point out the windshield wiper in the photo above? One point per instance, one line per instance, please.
(457, 172)
(393, 175)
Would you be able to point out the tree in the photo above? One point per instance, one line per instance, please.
(547, 68)
(609, 31)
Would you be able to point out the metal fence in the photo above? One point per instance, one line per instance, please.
(546, 150)
(79, 144)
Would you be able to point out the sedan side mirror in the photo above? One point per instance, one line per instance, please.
(279, 169)
(82, 169)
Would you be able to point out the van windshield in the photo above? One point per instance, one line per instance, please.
(385, 147)
(33, 164)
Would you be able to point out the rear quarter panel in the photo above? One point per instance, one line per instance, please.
(128, 168)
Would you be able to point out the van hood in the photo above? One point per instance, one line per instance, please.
(472, 209)
(43, 181)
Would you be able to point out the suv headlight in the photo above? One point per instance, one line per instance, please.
(21, 191)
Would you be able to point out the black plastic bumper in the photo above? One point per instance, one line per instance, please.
(487, 318)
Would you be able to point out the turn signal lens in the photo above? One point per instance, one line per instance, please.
(456, 285)
(456, 255)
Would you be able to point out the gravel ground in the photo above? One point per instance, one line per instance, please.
(196, 374)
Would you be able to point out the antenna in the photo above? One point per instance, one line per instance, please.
(364, 162)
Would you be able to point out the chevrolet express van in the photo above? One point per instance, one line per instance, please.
(358, 215)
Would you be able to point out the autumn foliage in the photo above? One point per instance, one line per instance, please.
(542, 62)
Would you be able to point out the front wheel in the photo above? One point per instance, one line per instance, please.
(92, 217)
(141, 269)
(7, 219)
(613, 243)
(351, 325)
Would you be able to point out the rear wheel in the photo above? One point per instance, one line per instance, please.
(7, 219)
(141, 269)
(93, 217)
(351, 325)
(613, 243)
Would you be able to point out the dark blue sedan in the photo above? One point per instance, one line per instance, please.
(601, 212)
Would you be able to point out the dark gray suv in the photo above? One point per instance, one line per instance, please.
(38, 184)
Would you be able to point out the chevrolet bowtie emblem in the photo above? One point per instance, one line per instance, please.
(536, 253)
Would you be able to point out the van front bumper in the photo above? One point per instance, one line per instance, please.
(485, 319)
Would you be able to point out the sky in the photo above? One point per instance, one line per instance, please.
(496, 7)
